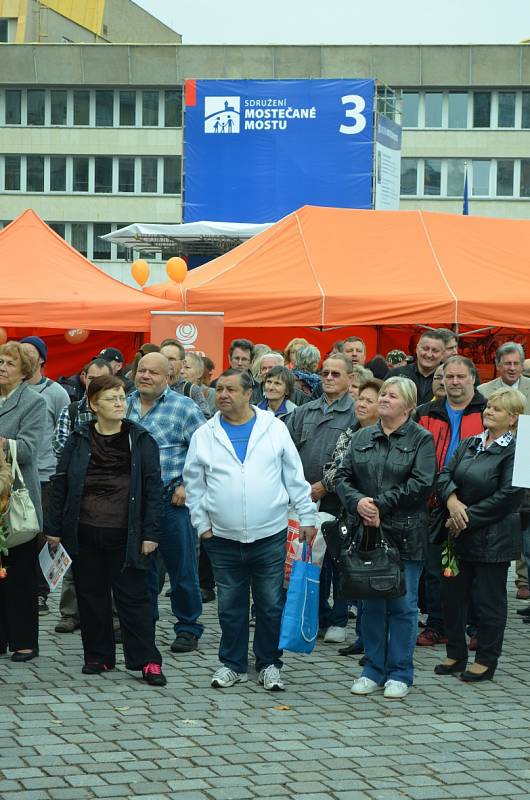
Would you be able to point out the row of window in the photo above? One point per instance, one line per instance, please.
(461, 109)
(92, 174)
(100, 108)
(444, 177)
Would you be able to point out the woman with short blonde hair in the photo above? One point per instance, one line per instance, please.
(484, 535)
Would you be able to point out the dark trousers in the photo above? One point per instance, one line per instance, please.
(98, 568)
(43, 587)
(433, 578)
(19, 613)
(206, 578)
(490, 585)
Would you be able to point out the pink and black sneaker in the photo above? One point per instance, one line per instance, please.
(95, 668)
(153, 675)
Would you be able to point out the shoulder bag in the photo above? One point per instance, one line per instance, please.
(21, 517)
(370, 567)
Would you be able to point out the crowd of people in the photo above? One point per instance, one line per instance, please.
(153, 469)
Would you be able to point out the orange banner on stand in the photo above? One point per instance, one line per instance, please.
(199, 332)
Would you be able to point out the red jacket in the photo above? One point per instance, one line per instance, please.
(434, 417)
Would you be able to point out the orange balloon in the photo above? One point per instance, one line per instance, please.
(3, 336)
(140, 271)
(76, 335)
(176, 269)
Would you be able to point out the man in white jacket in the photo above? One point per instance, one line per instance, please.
(241, 472)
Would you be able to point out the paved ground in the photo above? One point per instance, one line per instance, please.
(66, 736)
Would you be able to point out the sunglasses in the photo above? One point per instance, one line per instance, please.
(333, 373)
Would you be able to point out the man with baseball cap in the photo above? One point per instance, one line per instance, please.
(117, 363)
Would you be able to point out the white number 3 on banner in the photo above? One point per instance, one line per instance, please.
(354, 113)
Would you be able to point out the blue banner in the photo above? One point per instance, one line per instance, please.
(256, 150)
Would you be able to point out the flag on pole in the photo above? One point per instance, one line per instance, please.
(465, 206)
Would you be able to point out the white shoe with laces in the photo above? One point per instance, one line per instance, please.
(395, 690)
(225, 677)
(335, 634)
(365, 686)
(271, 679)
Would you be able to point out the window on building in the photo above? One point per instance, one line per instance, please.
(4, 30)
(12, 173)
(57, 174)
(101, 247)
(457, 110)
(432, 179)
(13, 106)
(409, 109)
(172, 175)
(35, 106)
(506, 110)
(481, 178)
(126, 174)
(127, 108)
(81, 107)
(149, 108)
(525, 118)
(524, 188)
(121, 252)
(104, 108)
(103, 174)
(80, 173)
(433, 109)
(505, 177)
(481, 109)
(58, 102)
(173, 109)
(409, 176)
(35, 173)
(58, 227)
(79, 237)
(149, 175)
(455, 177)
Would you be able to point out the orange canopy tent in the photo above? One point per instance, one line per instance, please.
(342, 267)
(48, 287)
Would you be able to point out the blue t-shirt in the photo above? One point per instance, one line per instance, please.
(455, 419)
(239, 435)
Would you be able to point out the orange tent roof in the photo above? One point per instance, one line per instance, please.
(46, 283)
(333, 266)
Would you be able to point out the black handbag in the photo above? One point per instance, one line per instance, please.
(370, 567)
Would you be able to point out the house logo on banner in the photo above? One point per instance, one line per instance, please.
(222, 114)
(186, 333)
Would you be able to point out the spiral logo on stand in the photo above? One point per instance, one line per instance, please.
(187, 333)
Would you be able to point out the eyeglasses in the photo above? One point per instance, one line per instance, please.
(115, 401)
(332, 373)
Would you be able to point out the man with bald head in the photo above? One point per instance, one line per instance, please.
(171, 419)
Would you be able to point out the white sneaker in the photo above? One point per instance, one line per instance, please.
(271, 679)
(364, 686)
(335, 634)
(225, 677)
(396, 690)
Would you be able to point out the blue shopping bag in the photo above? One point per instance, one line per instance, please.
(299, 628)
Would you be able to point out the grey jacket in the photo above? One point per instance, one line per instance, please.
(23, 418)
(315, 428)
(56, 399)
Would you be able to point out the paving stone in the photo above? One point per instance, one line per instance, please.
(67, 737)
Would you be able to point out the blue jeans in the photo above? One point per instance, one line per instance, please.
(178, 548)
(336, 615)
(389, 629)
(237, 568)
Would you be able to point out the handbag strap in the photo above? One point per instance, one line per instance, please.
(15, 469)
(307, 554)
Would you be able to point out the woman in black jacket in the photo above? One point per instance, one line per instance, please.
(105, 507)
(484, 530)
(385, 481)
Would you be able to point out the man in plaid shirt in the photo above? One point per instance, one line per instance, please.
(171, 419)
